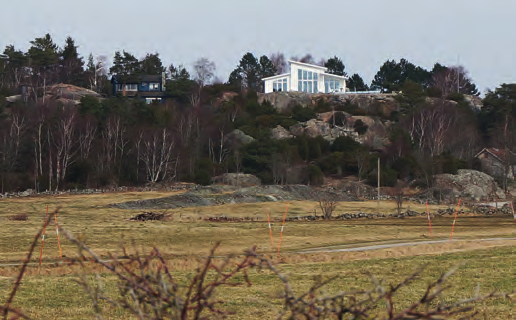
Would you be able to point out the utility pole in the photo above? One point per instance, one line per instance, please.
(378, 185)
(458, 73)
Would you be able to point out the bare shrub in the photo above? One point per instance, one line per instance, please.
(19, 217)
(327, 205)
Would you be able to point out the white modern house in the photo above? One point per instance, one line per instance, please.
(305, 77)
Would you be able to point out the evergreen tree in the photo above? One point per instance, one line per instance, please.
(90, 66)
(43, 52)
(392, 75)
(44, 61)
(152, 65)
(267, 68)
(180, 86)
(356, 83)
(71, 64)
(13, 63)
(125, 64)
(179, 72)
(411, 96)
(250, 71)
(335, 66)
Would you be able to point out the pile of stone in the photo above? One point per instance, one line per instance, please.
(490, 210)
(149, 216)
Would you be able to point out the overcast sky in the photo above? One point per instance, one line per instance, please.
(478, 33)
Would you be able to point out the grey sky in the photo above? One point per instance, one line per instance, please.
(363, 33)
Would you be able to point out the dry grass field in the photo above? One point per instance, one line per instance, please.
(49, 292)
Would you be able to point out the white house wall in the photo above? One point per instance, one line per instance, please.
(294, 76)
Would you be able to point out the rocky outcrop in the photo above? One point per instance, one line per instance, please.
(475, 102)
(280, 133)
(64, 93)
(238, 138)
(470, 184)
(285, 100)
(314, 128)
(237, 179)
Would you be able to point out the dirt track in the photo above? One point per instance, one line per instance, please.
(357, 247)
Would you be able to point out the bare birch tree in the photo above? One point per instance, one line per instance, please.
(157, 154)
(65, 142)
(204, 73)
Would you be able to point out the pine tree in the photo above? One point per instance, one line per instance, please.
(43, 52)
(335, 66)
(71, 64)
(250, 71)
(152, 65)
(392, 75)
(356, 83)
(125, 64)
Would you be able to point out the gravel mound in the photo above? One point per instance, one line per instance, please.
(219, 195)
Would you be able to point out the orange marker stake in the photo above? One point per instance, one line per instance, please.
(513, 214)
(43, 237)
(455, 220)
(270, 230)
(57, 234)
(282, 226)
(429, 221)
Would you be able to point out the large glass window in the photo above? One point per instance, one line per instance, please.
(307, 81)
(331, 85)
(280, 85)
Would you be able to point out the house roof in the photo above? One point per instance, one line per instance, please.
(495, 152)
(276, 76)
(137, 78)
(335, 76)
(308, 65)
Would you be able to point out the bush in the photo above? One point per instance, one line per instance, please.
(322, 106)
(455, 96)
(434, 92)
(202, 177)
(332, 163)
(345, 144)
(360, 127)
(303, 114)
(388, 177)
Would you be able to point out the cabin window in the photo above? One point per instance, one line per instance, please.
(128, 87)
(154, 86)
